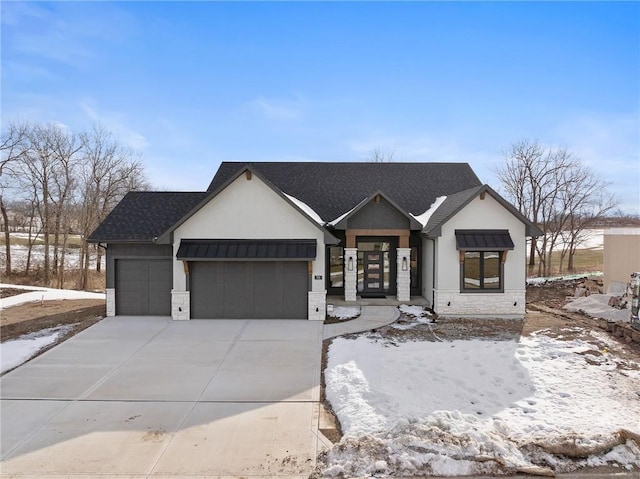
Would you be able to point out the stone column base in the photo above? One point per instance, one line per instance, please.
(180, 301)
(317, 305)
(350, 274)
(111, 301)
(403, 275)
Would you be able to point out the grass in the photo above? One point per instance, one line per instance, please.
(584, 261)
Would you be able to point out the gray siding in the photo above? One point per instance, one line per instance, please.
(378, 216)
(248, 289)
(133, 251)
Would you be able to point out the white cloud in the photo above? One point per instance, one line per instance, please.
(278, 109)
(610, 146)
(117, 124)
(61, 31)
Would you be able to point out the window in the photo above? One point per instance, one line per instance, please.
(414, 273)
(336, 267)
(482, 271)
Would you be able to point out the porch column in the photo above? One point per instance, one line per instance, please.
(404, 274)
(350, 274)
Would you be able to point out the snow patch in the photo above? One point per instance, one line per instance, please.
(345, 312)
(306, 208)
(44, 294)
(342, 216)
(477, 407)
(568, 277)
(15, 352)
(423, 219)
(417, 312)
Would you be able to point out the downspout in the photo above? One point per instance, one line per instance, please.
(433, 275)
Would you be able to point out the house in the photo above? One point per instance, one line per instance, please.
(621, 257)
(274, 239)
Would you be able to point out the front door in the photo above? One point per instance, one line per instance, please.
(373, 266)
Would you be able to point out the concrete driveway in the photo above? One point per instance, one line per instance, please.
(152, 397)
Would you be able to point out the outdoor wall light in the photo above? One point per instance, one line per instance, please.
(404, 263)
(350, 263)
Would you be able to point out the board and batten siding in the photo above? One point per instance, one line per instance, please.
(481, 214)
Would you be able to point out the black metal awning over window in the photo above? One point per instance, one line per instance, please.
(483, 240)
(191, 250)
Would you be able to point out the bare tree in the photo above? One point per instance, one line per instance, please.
(109, 171)
(63, 181)
(526, 176)
(378, 155)
(555, 191)
(586, 201)
(11, 149)
(46, 169)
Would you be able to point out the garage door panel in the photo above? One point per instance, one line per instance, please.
(297, 282)
(143, 287)
(268, 290)
(245, 289)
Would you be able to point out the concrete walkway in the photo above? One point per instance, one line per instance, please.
(371, 317)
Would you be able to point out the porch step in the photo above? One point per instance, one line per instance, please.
(386, 301)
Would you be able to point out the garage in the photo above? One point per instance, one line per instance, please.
(248, 289)
(143, 287)
(248, 279)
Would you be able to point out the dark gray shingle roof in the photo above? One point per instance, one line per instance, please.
(145, 215)
(448, 207)
(331, 189)
(454, 203)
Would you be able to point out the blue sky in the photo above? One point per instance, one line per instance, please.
(191, 84)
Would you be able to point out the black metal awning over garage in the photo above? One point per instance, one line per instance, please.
(246, 250)
(483, 240)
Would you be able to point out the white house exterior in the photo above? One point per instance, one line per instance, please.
(273, 240)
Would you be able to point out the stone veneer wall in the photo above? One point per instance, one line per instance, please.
(180, 305)
(350, 277)
(111, 301)
(511, 303)
(317, 305)
(403, 277)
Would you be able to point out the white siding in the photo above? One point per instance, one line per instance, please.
(481, 214)
(427, 269)
(248, 209)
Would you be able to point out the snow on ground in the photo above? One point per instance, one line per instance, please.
(420, 314)
(566, 277)
(345, 312)
(17, 351)
(474, 406)
(597, 306)
(590, 239)
(19, 257)
(34, 293)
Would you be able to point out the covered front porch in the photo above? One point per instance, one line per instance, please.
(379, 258)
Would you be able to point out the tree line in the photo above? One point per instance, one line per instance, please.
(559, 193)
(65, 183)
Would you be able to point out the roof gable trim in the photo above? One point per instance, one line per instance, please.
(328, 237)
(436, 229)
(341, 222)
